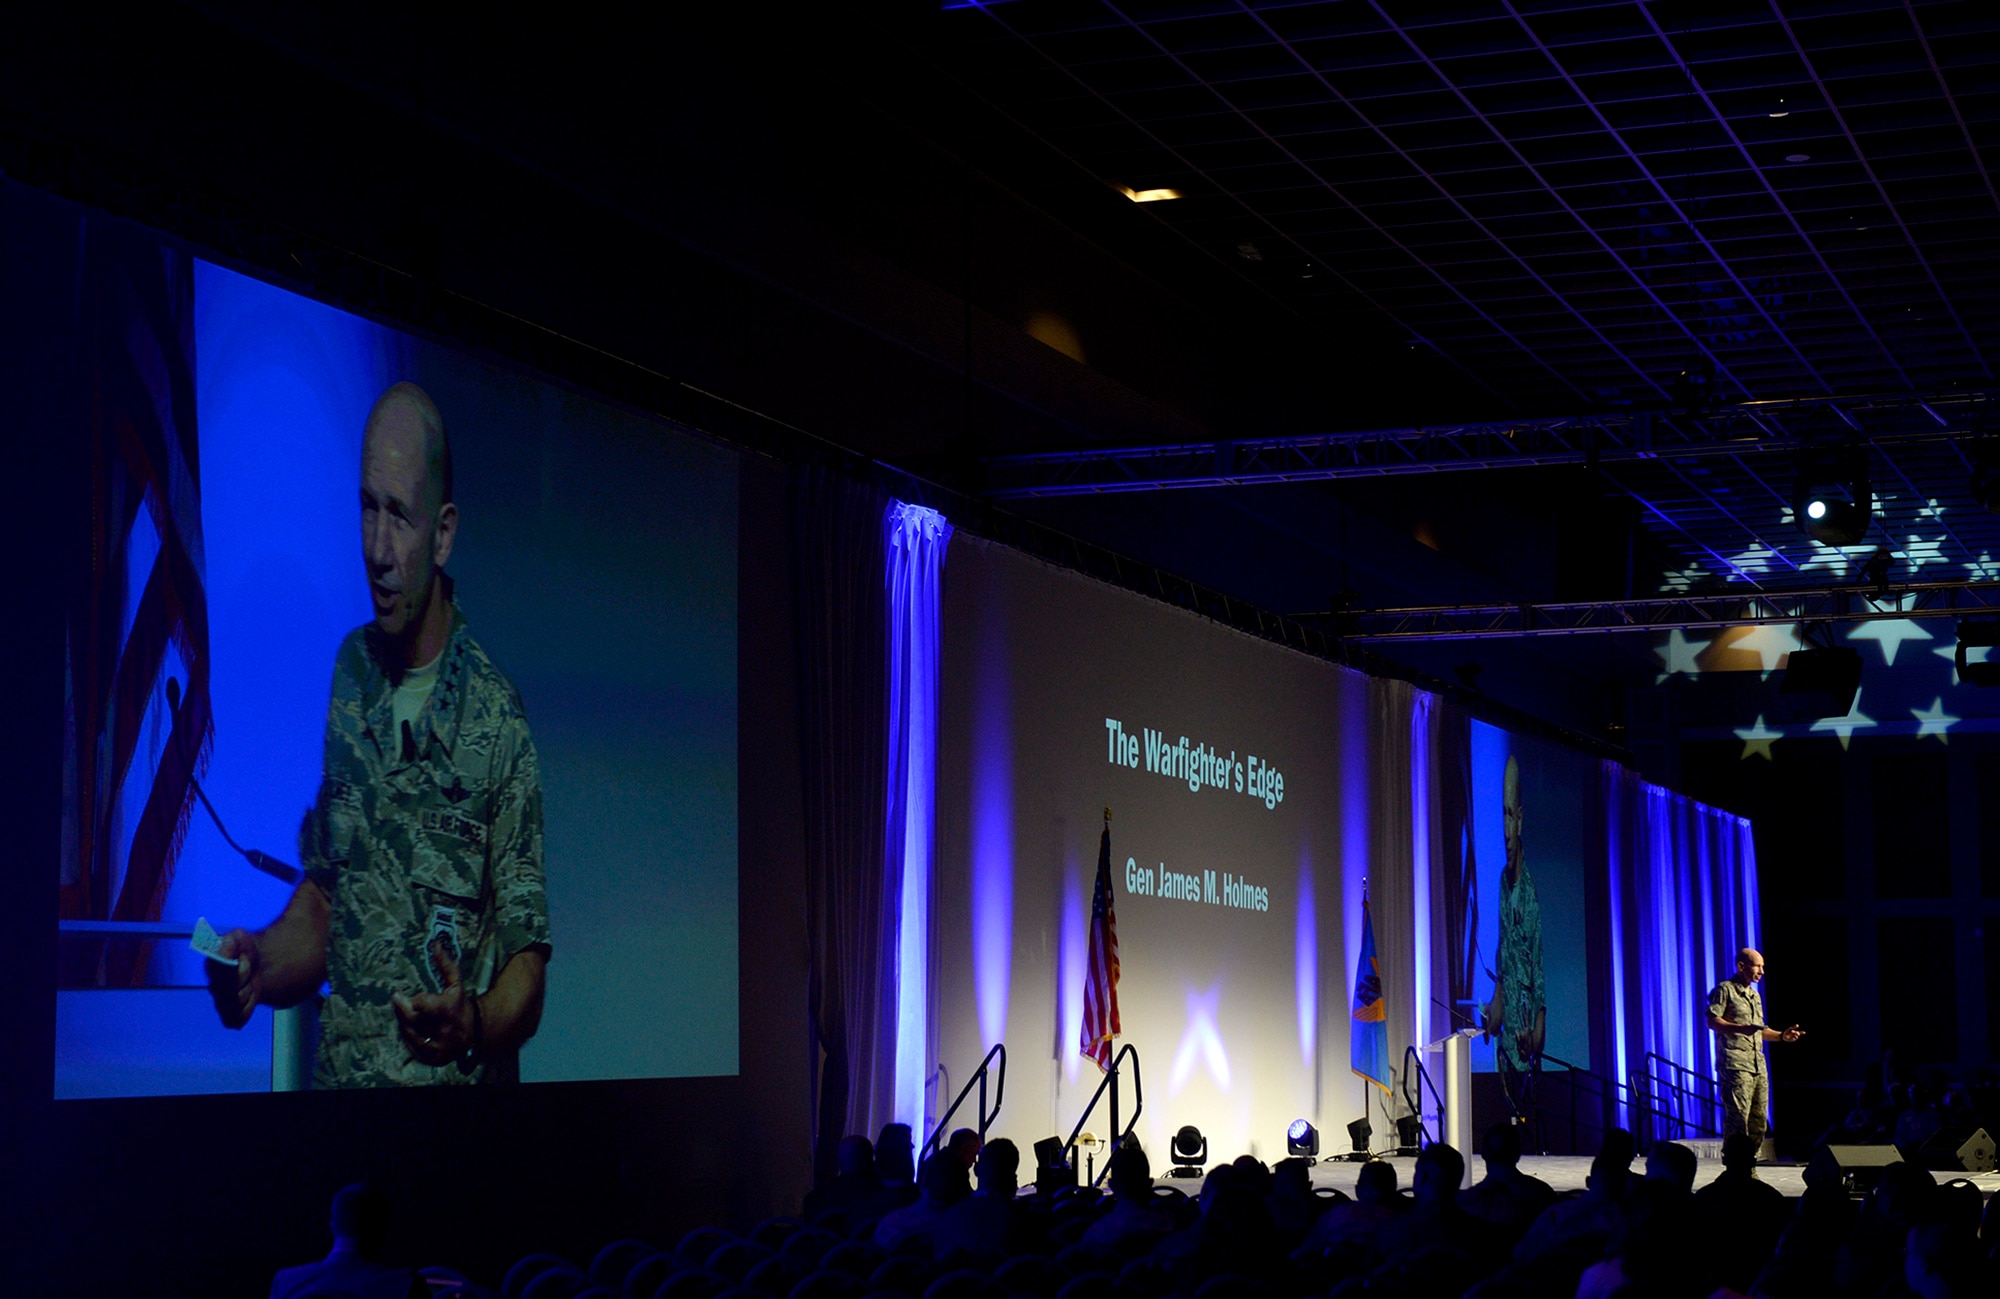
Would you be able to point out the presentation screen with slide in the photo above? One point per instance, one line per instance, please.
(418, 669)
(1235, 775)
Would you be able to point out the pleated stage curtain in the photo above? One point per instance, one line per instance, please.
(914, 542)
(851, 917)
(1392, 892)
(1682, 895)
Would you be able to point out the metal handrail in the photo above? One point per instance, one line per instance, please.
(1413, 1059)
(1111, 1081)
(1607, 1087)
(986, 1116)
(1680, 1099)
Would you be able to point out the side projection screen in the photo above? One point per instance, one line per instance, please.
(402, 684)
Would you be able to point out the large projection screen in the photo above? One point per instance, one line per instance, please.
(596, 566)
(1238, 911)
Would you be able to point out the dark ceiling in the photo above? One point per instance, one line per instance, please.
(1515, 211)
(1577, 203)
(1584, 208)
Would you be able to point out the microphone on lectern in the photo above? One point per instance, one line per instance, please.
(258, 858)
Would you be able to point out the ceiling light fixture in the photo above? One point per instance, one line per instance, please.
(1149, 195)
(1798, 157)
(1831, 498)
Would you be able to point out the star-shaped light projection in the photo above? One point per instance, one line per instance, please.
(1836, 559)
(1754, 562)
(1973, 654)
(1889, 634)
(1770, 643)
(1678, 655)
(1984, 569)
(1930, 510)
(1757, 739)
(1932, 721)
(1684, 579)
(1845, 727)
(1919, 552)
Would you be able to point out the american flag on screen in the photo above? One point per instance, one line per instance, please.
(1100, 980)
(140, 616)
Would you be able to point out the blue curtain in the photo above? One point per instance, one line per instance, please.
(914, 542)
(1682, 894)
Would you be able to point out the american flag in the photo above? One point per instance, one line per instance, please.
(1100, 980)
(141, 617)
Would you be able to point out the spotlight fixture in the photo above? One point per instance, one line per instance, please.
(1302, 1139)
(1189, 1152)
(1409, 1135)
(1831, 500)
(1973, 633)
(1360, 1132)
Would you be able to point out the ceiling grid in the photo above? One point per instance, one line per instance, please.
(1590, 206)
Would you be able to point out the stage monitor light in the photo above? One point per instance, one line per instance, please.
(1831, 498)
(1409, 1135)
(1302, 1138)
(1820, 683)
(1052, 1170)
(1974, 634)
(1360, 1132)
(1189, 1152)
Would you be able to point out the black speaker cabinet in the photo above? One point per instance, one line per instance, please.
(1861, 1166)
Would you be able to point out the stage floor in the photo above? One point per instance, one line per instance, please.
(1570, 1172)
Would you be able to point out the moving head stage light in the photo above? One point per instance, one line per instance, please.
(1302, 1140)
(1831, 499)
(1189, 1152)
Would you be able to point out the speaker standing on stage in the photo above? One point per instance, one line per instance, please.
(423, 905)
(1736, 1013)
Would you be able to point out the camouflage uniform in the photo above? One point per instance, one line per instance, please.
(433, 838)
(1523, 997)
(1740, 1058)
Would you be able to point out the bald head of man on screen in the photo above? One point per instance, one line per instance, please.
(409, 520)
(423, 909)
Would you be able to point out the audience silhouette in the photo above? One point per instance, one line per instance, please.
(1257, 1232)
(354, 1267)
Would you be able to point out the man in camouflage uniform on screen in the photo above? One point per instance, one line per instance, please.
(423, 904)
(1518, 1015)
